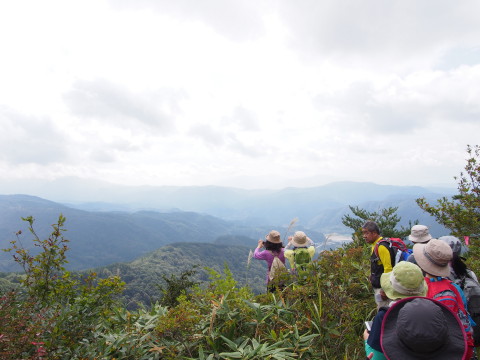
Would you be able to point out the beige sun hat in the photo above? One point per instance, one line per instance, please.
(405, 280)
(300, 239)
(419, 234)
(273, 237)
(433, 257)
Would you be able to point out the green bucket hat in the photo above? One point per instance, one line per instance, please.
(405, 280)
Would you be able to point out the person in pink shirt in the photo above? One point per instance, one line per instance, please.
(267, 250)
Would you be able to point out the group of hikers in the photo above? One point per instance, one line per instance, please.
(299, 252)
(425, 303)
(427, 299)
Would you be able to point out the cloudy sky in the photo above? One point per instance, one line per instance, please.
(252, 93)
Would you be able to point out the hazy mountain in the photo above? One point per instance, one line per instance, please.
(254, 207)
(101, 238)
(118, 223)
(329, 220)
(318, 208)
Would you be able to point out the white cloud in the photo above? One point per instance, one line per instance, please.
(252, 93)
(108, 102)
(207, 134)
(237, 20)
(29, 140)
(392, 35)
(243, 118)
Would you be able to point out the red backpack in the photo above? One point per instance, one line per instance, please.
(398, 250)
(442, 289)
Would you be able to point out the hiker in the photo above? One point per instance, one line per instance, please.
(300, 255)
(273, 248)
(419, 234)
(434, 258)
(458, 269)
(379, 264)
(467, 281)
(422, 328)
(405, 280)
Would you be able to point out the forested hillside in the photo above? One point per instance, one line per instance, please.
(83, 317)
(63, 316)
(99, 238)
(143, 275)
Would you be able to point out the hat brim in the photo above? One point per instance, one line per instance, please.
(294, 243)
(392, 294)
(393, 348)
(304, 244)
(273, 241)
(426, 264)
(420, 239)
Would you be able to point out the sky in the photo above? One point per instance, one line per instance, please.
(248, 94)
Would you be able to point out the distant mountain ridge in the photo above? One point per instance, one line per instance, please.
(317, 208)
(141, 218)
(102, 238)
(72, 190)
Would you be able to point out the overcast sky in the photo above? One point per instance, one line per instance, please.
(251, 94)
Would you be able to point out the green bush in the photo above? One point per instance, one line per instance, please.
(82, 319)
(62, 309)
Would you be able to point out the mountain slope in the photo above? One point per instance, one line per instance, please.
(143, 274)
(99, 238)
(104, 237)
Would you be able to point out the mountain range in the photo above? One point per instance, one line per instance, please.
(119, 224)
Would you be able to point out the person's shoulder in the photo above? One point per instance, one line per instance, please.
(382, 310)
(383, 246)
(260, 254)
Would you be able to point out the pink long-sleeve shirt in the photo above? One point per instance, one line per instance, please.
(268, 257)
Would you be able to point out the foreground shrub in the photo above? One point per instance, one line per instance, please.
(80, 317)
(23, 328)
(62, 309)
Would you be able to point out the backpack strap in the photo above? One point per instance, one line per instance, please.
(454, 288)
(385, 242)
(275, 255)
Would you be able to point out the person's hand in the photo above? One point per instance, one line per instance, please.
(366, 334)
(260, 244)
(290, 238)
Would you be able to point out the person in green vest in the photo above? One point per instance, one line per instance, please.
(299, 252)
